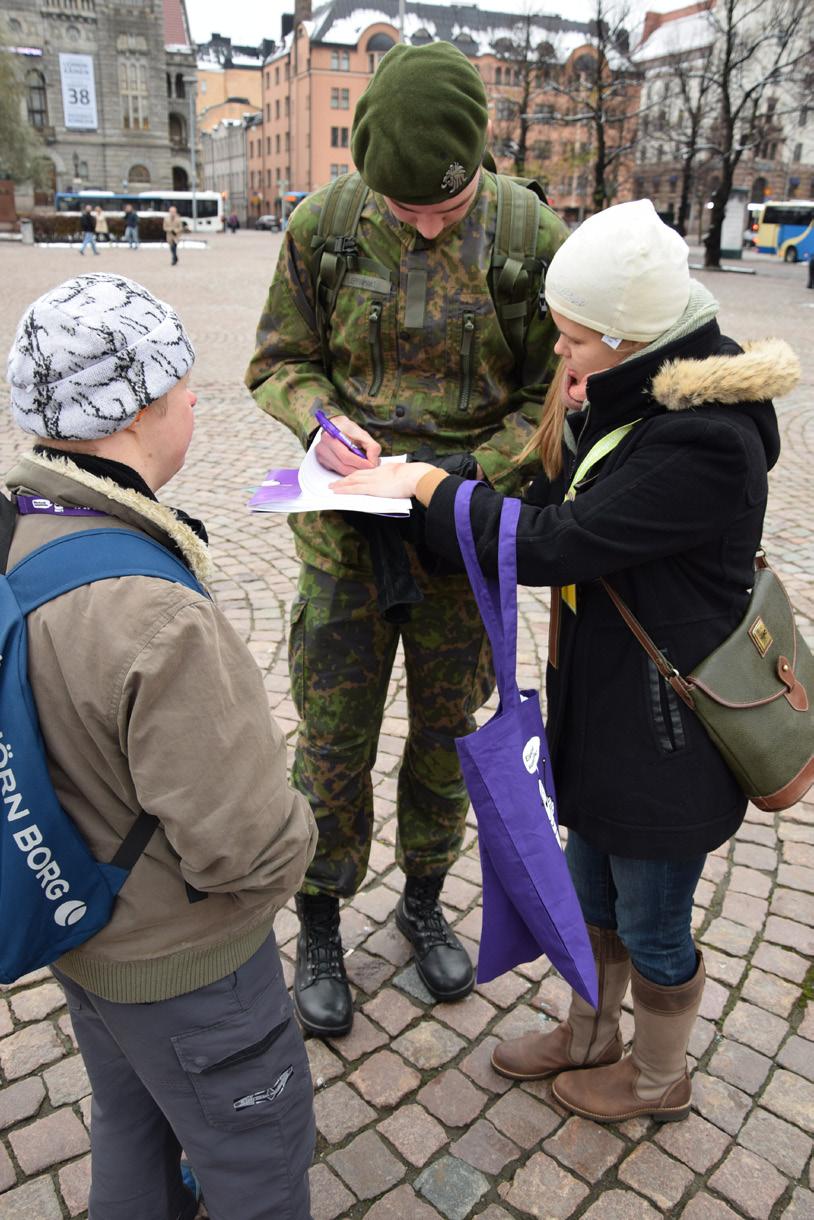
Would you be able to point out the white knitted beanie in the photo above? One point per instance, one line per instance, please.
(90, 354)
(622, 273)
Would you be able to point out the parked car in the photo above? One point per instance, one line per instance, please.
(271, 223)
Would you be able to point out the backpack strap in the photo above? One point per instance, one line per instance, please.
(335, 244)
(514, 258)
(8, 523)
(78, 559)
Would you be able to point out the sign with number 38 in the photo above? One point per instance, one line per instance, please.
(78, 91)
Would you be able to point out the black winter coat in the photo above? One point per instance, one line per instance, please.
(672, 518)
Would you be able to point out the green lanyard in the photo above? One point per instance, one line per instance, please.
(595, 454)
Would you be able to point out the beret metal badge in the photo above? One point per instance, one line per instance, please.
(454, 178)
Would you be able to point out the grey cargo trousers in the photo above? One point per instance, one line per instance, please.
(220, 1072)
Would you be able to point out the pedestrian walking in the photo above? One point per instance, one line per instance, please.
(233, 222)
(102, 229)
(173, 228)
(655, 445)
(131, 226)
(87, 225)
(179, 1005)
(381, 312)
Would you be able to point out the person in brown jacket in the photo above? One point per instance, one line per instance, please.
(149, 700)
(173, 227)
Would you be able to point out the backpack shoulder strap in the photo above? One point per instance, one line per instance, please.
(89, 555)
(514, 258)
(335, 247)
(8, 522)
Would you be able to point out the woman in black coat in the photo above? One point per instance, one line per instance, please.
(655, 447)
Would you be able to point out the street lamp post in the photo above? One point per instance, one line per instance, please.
(191, 83)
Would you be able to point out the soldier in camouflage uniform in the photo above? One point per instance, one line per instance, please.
(412, 357)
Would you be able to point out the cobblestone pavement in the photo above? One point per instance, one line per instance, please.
(413, 1123)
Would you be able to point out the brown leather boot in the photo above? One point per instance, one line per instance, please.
(586, 1037)
(653, 1078)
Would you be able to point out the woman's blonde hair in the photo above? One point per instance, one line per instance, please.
(547, 439)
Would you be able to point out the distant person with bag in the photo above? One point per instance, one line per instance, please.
(131, 226)
(655, 445)
(87, 226)
(102, 227)
(154, 710)
(233, 223)
(173, 228)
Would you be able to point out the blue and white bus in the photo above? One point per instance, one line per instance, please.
(786, 228)
(208, 205)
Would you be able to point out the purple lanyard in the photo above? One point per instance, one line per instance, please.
(37, 504)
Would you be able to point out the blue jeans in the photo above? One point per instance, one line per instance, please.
(88, 239)
(647, 902)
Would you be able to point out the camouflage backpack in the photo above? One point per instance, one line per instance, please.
(516, 274)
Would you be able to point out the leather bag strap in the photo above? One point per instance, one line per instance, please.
(668, 672)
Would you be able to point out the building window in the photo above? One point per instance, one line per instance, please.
(340, 61)
(498, 76)
(337, 171)
(288, 142)
(277, 75)
(37, 99)
(277, 143)
(138, 173)
(798, 152)
(288, 105)
(268, 112)
(340, 99)
(180, 86)
(339, 137)
(134, 95)
(268, 146)
(277, 109)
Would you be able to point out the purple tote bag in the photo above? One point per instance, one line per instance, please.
(529, 904)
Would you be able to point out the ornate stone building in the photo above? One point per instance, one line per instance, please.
(105, 87)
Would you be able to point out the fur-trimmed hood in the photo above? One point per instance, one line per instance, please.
(766, 369)
(61, 481)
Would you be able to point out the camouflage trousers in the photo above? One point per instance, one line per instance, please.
(341, 654)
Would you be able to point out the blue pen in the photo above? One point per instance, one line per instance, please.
(337, 433)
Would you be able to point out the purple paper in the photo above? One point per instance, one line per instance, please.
(280, 484)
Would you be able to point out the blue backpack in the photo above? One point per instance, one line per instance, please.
(53, 894)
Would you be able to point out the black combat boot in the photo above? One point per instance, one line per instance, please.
(321, 993)
(440, 958)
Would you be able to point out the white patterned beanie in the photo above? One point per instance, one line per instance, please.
(90, 354)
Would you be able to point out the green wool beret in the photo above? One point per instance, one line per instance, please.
(419, 130)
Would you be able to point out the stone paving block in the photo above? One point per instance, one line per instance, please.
(384, 1080)
(494, 1213)
(714, 868)
(521, 1020)
(704, 1207)
(414, 1133)
(330, 1198)
(791, 1097)
(324, 1065)
(452, 1186)
(47, 1141)
(791, 934)
(658, 1176)
(6, 1024)
(719, 1102)
(525, 1120)
(378, 902)
(727, 970)
(785, 1146)
(8, 1174)
(553, 997)
(806, 1027)
(67, 1081)
(362, 1039)
(770, 992)
(428, 1045)
(20, 1100)
(485, 1148)
(43, 975)
(780, 961)
(704, 893)
(380, 858)
(796, 878)
(478, 1067)
(30, 1048)
(354, 927)
(542, 1189)
(367, 1166)
(460, 893)
(401, 1204)
(750, 1182)
(74, 1185)
(714, 1000)
(620, 1205)
(702, 1035)
(792, 904)
(469, 1016)
(801, 1206)
(799, 853)
(452, 1099)
(761, 1030)
(755, 832)
(798, 1056)
(752, 856)
(749, 881)
(534, 971)
(339, 1111)
(392, 1010)
(389, 943)
(366, 971)
(503, 991)
(745, 909)
(409, 981)
(732, 937)
(740, 1065)
(588, 1148)
(35, 1200)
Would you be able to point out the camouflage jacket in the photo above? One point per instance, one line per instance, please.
(432, 370)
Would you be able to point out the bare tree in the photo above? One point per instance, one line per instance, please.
(19, 144)
(526, 63)
(759, 47)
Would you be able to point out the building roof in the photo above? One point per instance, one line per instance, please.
(676, 36)
(176, 25)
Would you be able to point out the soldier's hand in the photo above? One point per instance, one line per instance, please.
(392, 479)
(334, 455)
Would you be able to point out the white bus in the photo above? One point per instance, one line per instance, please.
(208, 205)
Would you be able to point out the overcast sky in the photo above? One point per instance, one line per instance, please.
(249, 21)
